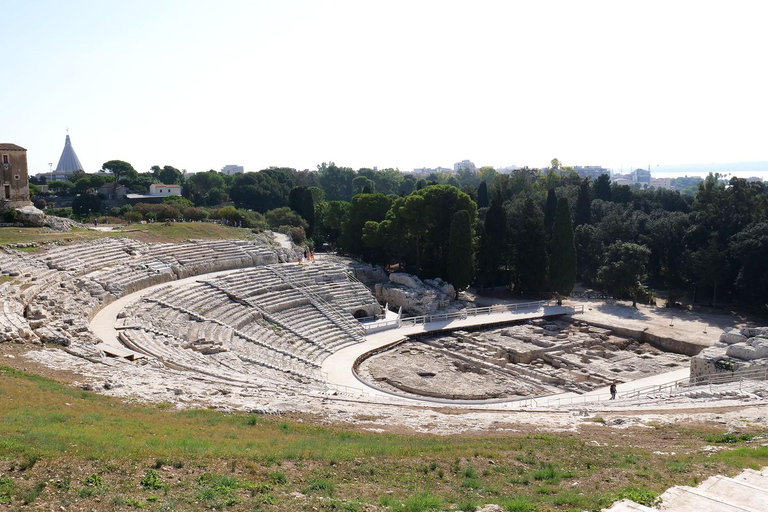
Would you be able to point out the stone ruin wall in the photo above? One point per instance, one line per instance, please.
(737, 350)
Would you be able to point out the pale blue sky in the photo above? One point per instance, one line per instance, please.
(201, 84)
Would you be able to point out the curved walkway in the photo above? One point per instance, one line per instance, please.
(338, 368)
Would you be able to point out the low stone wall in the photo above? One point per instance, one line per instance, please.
(683, 347)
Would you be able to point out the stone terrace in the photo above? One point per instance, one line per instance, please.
(284, 318)
(273, 319)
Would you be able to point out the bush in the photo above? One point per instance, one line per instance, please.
(157, 211)
(298, 235)
(86, 204)
(133, 216)
(40, 203)
(285, 217)
(10, 215)
(193, 213)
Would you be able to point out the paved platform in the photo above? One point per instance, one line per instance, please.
(338, 367)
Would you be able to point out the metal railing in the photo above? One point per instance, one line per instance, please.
(460, 315)
(669, 389)
(465, 313)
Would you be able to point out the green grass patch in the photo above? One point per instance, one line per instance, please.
(729, 438)
(108, 450)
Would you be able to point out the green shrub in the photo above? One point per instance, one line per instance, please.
(637, 494)
(729, 438)
(94, 480)
(6, 489)
(152, 480)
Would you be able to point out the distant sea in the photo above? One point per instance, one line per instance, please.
(737, 169)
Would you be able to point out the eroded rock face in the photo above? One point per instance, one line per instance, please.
(31, 216)
(413, 295)
(737, 350)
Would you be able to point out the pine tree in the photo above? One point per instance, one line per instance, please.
(562, 263)
(460, 267)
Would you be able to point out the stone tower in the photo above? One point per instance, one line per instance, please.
(14, 180)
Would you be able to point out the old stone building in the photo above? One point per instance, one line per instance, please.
(14, 179)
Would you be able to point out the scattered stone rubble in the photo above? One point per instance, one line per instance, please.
(539, 357)
(741, 349)
(416, 296)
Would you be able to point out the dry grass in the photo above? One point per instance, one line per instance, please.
(66, 446)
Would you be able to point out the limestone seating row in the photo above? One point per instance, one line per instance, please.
(291, 351)
(87, 257)
(259, 355)
(251, 282)
(285, 342)
(119, 278)
(163, 349)
(273, 302)
(311, 323)
(194, 298)
(197, 252)
(347, 296)
(12, 321)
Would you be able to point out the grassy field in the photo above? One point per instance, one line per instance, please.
(64, 447)
(156, 232)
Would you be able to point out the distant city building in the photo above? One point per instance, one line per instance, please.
(109, 191)
(642, 175)
(662, 183)
(428, 170)
(68, 163)
(160, 189)
(232, 169)
(755, 178)
(157, 191)
(507, 170)
(15, 178)
(464, 164)
(623, 179)
(591, 171)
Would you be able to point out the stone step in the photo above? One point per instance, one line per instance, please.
(629, 506)
(736, 492)
(747, 492)
(755, 478)
(690, 499)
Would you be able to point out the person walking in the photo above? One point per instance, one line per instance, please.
(613, 391)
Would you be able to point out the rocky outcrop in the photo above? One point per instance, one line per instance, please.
(737, 350)
(417, 296)
(31, 216)
(61, 224)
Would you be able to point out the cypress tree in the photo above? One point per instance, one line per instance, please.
(583, 204)
(562, 263)
(482, 195)
(531, 248)
(308, 210)
(460, 268)
(295, 198)
(492, 243)
(549, 210)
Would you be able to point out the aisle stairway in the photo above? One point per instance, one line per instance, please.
(747, 492)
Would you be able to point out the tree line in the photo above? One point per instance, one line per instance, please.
(532, 231)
